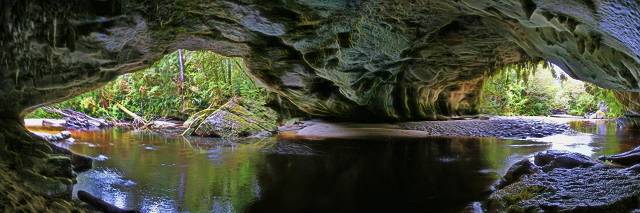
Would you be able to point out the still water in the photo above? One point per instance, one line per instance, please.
(155, 173)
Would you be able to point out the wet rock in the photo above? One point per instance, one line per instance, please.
(101, 158)
(150, 148)
(567, 182)
(80, 163)
(553, 159)
(593, 189)
(627, 158)
(515, 172)
(632, 169)
(232, 120)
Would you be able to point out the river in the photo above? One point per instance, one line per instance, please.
(155, 173)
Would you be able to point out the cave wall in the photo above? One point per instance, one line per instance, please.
(380, 60)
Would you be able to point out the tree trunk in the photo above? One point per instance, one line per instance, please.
(138, 121)
(181, 77)
(229, 72)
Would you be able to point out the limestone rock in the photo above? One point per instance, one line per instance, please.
(628, 158)
(232, 120)
(515, 172)
(569, 182)
(371, 60)
(593, 189)
(553, 159)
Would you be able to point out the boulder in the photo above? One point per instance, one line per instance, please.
(515, 172)
(567, 182)
(627, 158)
(553, 159)
(80, 163)
(232, 120)
(593, 189)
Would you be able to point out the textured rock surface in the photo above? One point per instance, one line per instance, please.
(570, 190)
(503, 127)
(232, 120)
(627, 158)
(566, 182)
(33, 178)
(353, 59)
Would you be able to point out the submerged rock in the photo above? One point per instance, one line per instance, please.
(515, 172)
(627, 158)
(232, 120)
(553, 159)
(567, 182)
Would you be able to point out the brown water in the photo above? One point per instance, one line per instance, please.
(154, 173)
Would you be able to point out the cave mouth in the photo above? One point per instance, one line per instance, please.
(176, 86)
(546, 90)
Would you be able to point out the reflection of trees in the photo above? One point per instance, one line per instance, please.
(436, 175)
(179, 170)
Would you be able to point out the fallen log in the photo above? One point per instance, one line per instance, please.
(138, 121)
(101, 204)
(78, 120)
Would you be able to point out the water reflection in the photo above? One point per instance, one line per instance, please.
(382, 174)
(438, 174)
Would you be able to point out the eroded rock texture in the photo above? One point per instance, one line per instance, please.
(381, 60)
(560, 181)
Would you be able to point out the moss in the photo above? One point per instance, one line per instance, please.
(33, 179)
(233, 120)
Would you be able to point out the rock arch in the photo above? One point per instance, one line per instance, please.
(352, 59)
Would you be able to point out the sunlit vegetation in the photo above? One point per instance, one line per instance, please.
(209, 80)
(545, 91)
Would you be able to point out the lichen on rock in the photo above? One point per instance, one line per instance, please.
(232, 120)
(565, 182)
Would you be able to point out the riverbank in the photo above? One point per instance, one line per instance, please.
(518, 127)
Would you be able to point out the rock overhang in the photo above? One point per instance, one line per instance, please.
(377, 60)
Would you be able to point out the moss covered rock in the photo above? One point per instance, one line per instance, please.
(233, 120)
(567, 182)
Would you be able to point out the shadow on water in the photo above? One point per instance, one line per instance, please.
(439, 174)
(165, 174)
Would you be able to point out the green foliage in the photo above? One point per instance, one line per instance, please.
(209, 80)
(511, 92)
(516, 92)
